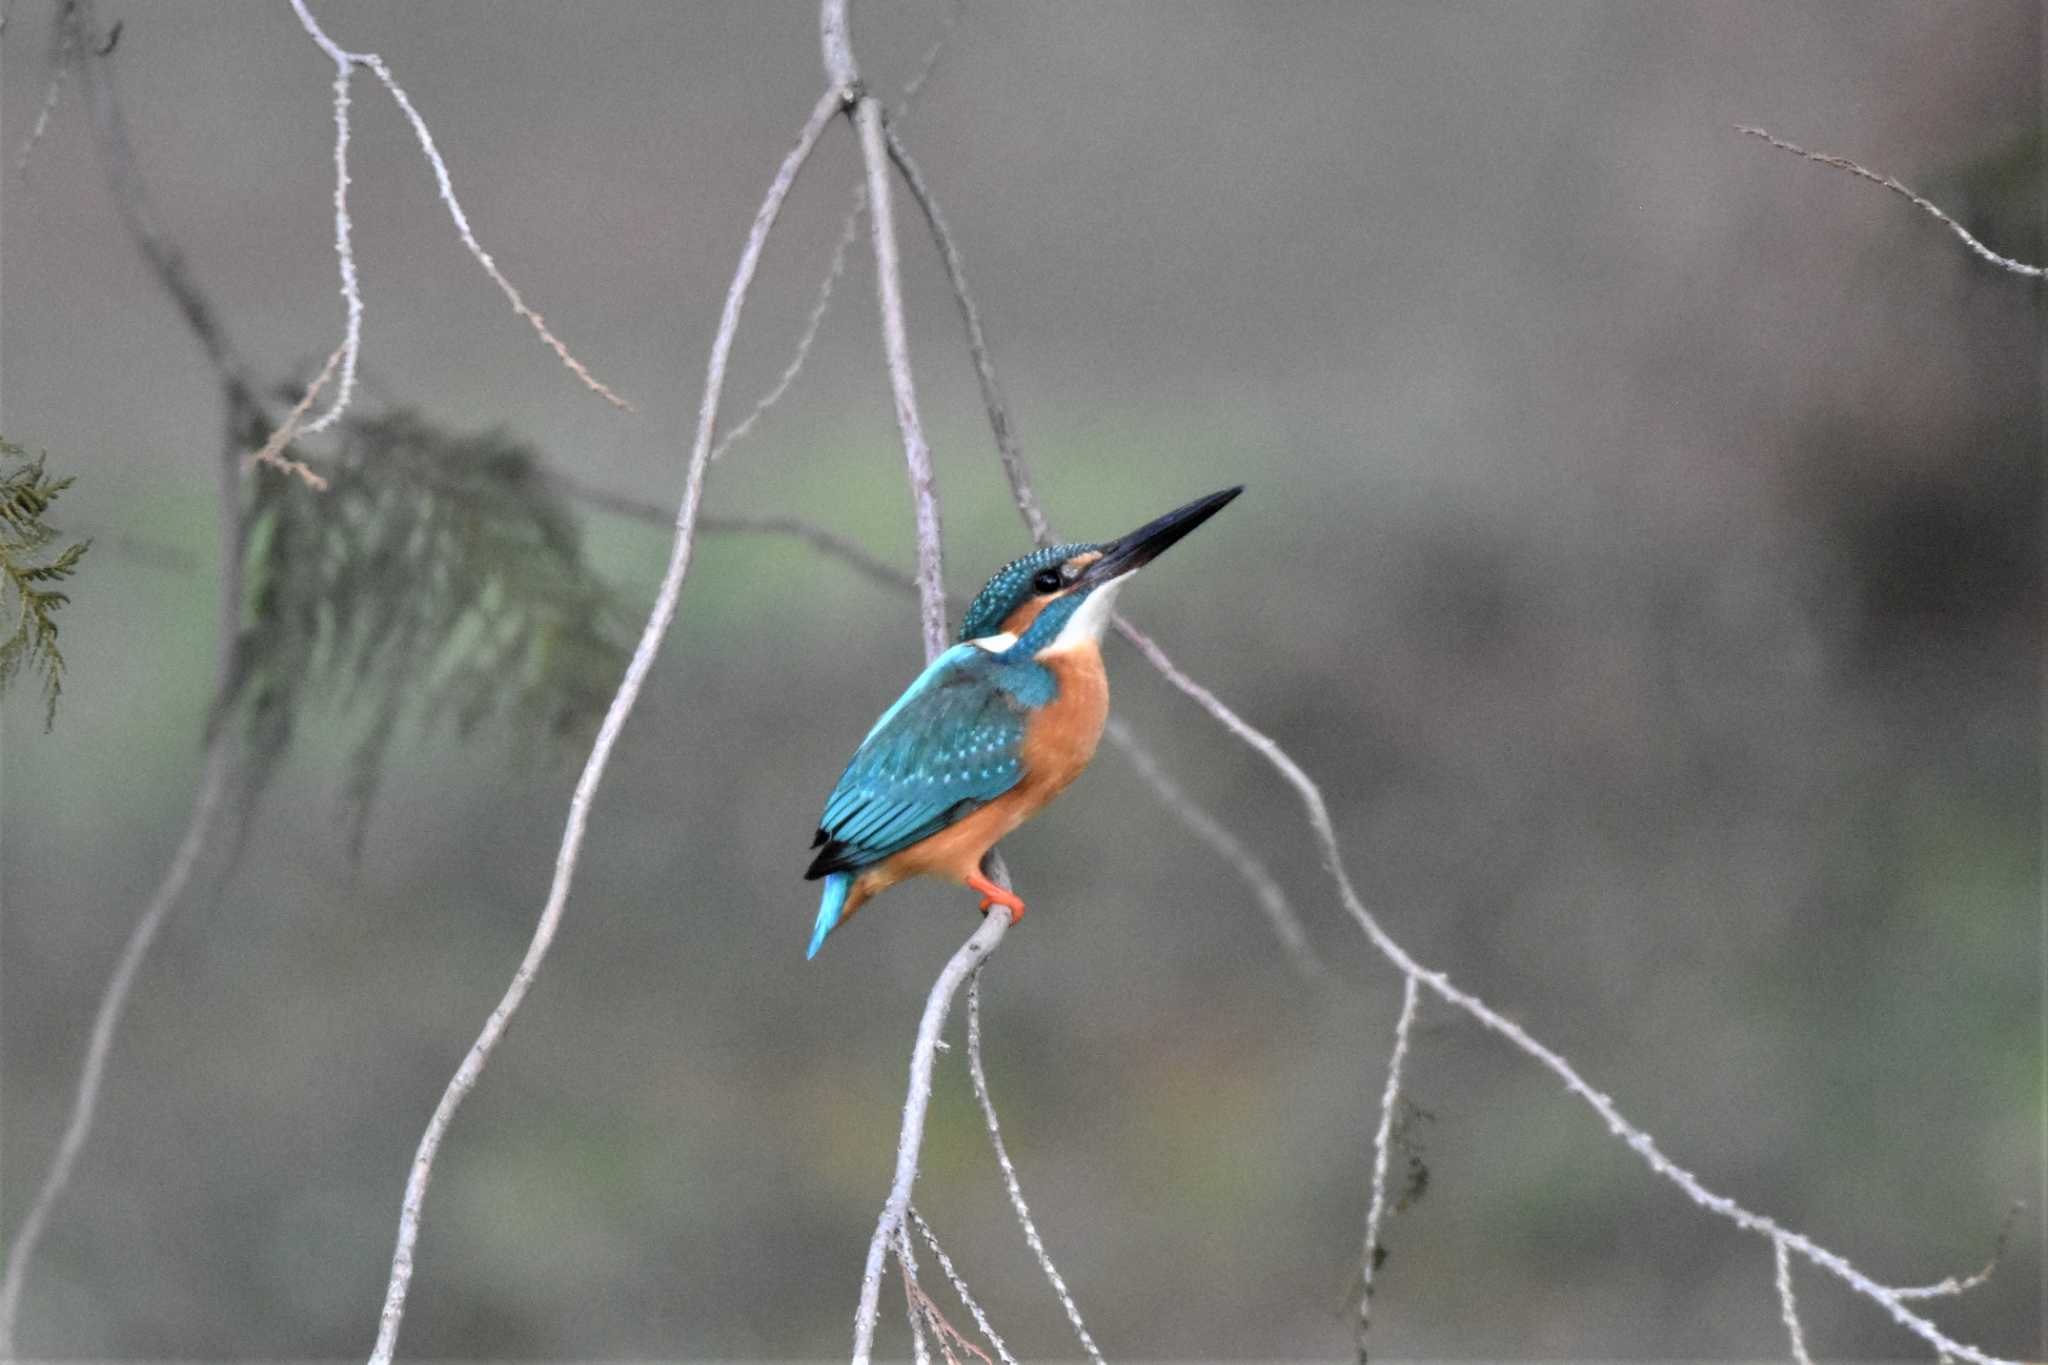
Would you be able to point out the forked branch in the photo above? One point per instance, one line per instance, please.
(345, 63)
(1892, 1300)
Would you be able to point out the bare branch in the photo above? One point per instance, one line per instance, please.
(62, 41)
(848, 232)
(1637, 1139)
(138, 216)
(1211, 831)
(1010, 1182)
(867, 118)
(1788, 1304)
(917, 1305)
(1954, 1285)
(344, 249)
(925, 1309)
(651, 636)
(917, 1099)
(106, 1018)
(1325, 833)
(351, 291)
(1007, 448)
(1381, 1142)
(960, 1286)
(1011, 453)
(867, 121)
(271, 452)
(462, 229)
(1842, 163)
(131, 199)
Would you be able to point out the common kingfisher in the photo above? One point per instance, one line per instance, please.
(992, 730)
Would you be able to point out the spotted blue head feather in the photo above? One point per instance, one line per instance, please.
(1010, 587)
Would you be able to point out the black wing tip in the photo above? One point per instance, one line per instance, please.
(831, 858)
(818, 840)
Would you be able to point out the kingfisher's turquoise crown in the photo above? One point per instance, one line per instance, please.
(1011, 585)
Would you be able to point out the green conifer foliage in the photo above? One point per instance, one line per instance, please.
(29, 573)
(438, 576)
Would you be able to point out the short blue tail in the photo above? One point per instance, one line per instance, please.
(837, 885)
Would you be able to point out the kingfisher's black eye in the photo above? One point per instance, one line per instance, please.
(1046, 580)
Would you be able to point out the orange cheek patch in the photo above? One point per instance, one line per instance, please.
(1019, 621)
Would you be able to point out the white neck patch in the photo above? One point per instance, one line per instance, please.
(1089, 620)
(994, 644)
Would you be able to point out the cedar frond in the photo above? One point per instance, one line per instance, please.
(28, 573)
(436, 577)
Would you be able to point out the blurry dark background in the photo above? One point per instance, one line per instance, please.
(1641, 548)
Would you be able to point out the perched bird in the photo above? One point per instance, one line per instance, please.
(993, 729)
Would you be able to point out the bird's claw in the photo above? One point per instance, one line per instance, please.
(993, 895)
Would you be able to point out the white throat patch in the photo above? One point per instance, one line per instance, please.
(1089, 620)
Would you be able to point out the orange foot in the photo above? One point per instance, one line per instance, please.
(992, 895)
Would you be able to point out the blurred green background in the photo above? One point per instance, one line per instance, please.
(1641, 549)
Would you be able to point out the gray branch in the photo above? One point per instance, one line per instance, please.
(1891, 1300)
(1843, 163)
(651, 636)
(81, 45)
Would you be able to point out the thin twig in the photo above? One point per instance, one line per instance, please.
(849, 232)
(917, 1099)
(844, 74)
(1842, 163)
(1788, 1304)
(866, 112)
(345, 63)
(1010, 1182)
(344, 249)
(1211, 831)
(113, 1003)
(271, 452)
(1270, 898)
(138, 215)
(822, 538)
(925, 1309)
(1382, 1140)
(959, 1283)
(476, 250)
(651, 636)
(1326, 837)
(1953, 1285)
(131, 199)
(1637, 1139)
(62, 42)
(1007, 448)
(916, 1303)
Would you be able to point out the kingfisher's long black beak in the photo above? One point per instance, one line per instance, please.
(1149, 541)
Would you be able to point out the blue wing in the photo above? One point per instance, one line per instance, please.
(951, 744)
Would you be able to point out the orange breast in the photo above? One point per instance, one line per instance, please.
(1059, 739)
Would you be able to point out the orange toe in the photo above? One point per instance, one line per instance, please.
(993, 895)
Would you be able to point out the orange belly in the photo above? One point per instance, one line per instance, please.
(1059, 740)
